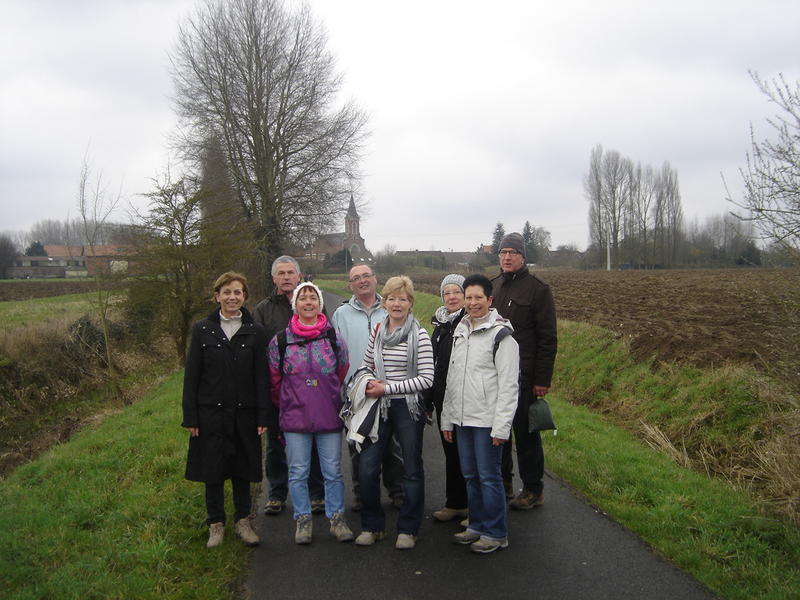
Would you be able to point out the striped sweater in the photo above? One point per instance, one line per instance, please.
(394, 361)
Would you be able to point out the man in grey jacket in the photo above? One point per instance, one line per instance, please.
(355, 320)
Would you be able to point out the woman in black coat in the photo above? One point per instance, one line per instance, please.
(226, 406)
(444, 321)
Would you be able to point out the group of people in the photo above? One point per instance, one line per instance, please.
(371, 373)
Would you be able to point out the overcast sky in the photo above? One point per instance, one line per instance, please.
(480, 112)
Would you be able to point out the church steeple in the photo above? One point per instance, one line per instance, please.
(351, 221)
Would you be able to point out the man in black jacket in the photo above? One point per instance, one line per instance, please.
(527, 302)
(273, 314)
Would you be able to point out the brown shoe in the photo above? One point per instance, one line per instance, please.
(448, 514)
(318, 506)
(305, 528)
(244, 530)
(526, 500)
(273, 507)
(216, 533)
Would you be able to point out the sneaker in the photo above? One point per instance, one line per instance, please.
(367, 538)
(302, 534)
(405, 541)
(526, 500)
(448, 514)
(244, 530)
(465, 522)
(466, 537)
(273, 507)
(398, 500)
(318, 506)
(339, 528)
(484, 545)
(216, 532)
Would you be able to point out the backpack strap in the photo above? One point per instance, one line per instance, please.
(499, 337)
(330, 333)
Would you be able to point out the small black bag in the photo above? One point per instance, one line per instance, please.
(539, 416)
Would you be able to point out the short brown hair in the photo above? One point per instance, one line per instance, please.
(229, 277)
(400, 284)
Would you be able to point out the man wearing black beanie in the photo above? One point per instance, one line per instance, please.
(527, 302)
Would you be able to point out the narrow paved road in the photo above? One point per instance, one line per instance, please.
(563, 550)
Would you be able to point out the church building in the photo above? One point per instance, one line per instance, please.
(350, 238)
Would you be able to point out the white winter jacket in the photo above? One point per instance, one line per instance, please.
(482, 386)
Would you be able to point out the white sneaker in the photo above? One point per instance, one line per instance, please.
(405, 541)
(367, 538)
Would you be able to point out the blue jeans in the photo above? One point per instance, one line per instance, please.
(480, 465)
(278, 470)
(408, 433)
(298, 451)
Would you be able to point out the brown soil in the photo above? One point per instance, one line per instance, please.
(703, 317)
(25, 290)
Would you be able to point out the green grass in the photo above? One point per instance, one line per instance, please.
(20, 313)
(109, 515)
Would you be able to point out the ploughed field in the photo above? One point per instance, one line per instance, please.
(703, 317)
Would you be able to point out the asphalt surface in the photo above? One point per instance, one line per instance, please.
(565, 549)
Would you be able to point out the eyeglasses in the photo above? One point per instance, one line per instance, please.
(508, 252)
(357, 278)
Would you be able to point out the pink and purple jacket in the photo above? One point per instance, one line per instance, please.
(307, 393)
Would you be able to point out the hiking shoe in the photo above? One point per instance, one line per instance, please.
(398, 500)
(273, 507)
(466, 537)
(357, 504)
(405, 541)
(244, 530)
(302, 534)
(340, 529)
(216, 533)
(508, 486)
(367, 538)
(485, 545)
(318, 506)
(526, 500)
(465, 522)
(448, 514)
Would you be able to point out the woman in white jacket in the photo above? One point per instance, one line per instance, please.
(479, 402)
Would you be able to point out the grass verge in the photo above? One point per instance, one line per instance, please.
(108, 516)
(21, 313)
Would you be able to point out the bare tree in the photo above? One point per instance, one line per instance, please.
(259, 79)
(95, 206)
(8, 252)
(772, 176)
(178, 254)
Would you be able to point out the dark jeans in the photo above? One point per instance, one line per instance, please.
(215, 500)
(530, 454)
(278, 471)
(392, 468)
(455, 489)
(409, 435)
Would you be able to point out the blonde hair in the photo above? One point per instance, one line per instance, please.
(400, 284)
(229, 277)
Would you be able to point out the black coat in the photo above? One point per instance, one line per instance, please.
(226, 396)
(442, 342)
(527, 301)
